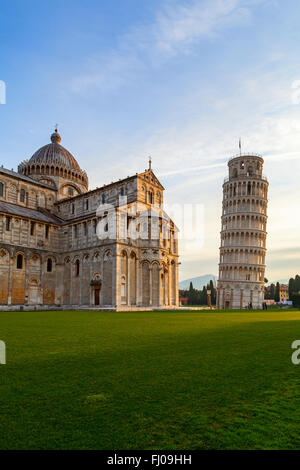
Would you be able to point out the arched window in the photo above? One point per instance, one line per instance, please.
(22, 195)
(32, 228)
(150, 197)
(103, 198)
(8, 223)
(158, 196)
(1, 189)
(70, 191)
(122, 191)
(20, 262)
(49, 265)
(77, 268)
(144, 190)
(85, 231)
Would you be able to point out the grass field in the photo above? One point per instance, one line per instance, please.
(149, 380)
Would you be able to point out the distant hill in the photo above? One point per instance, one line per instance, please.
(198, 282)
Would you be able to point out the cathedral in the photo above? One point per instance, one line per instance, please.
(63, 245)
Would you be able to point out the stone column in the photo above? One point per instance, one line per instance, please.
(150, 284)
(59, 287)
(136, 280)
(159, 286)
(166, 289)
(169, 284)
(91, 261)
(242, 298)
(11, 258)
(102, 274)
(139, 282)
(71, 280)
(116, 278)
(27, 258)
(42, 279)
(176, 284)
(128, 280)
(80, 276)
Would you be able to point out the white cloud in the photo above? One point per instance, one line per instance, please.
(178, 27)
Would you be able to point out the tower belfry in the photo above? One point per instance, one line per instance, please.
(243, 234)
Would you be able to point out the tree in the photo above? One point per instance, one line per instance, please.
(291, 287)
(199, 297)
(193, 295)
(277, 292)
(294, 285)
(213, 293)
(272, 291)
(204, 296)
(296, 300)
(297, 284)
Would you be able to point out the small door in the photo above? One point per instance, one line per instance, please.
(97, 296)
(227, 304)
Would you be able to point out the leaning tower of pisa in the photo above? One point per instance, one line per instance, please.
(243, 234)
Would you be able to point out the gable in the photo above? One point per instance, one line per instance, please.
(150, 177)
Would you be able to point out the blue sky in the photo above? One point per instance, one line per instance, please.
(180, 80)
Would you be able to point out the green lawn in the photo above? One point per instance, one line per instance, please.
(149, 380)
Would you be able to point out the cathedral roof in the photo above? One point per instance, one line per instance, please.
(54, 154)
(19, 176)
(41, 215)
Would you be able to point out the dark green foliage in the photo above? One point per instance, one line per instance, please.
(149, 380)
(294, 286)
(270, 292)
(213, 293)
(296, 300)
(277, 292)
(199, 297)
(291, 287)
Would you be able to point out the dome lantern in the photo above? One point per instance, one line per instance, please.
(55, 137)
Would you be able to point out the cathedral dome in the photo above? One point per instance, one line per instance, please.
(53, 161)
(54, 154)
